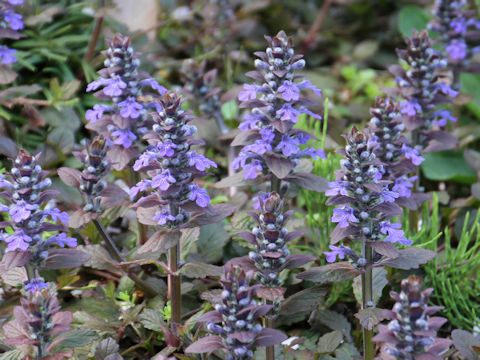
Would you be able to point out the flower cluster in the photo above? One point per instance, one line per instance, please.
(393, 149)
(275, 102)
(366, 200)
(456, 27)
(125, 118)
(270, 238)
(38, 321)
(235, 320)
(423, 92)
(412, 333)
(26, 190)
(10, 23)
(172, 166)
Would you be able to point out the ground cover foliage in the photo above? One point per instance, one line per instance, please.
(240, 180)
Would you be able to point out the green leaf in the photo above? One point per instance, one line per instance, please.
(152, 320)
(329, 342)
(75, 338)
(470, 84)
(213, 238)
(230, 110)
(62, 138)
(447, 165)
(412, 17)
(379, 282)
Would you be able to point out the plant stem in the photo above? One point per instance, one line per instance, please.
(95, 35)
(367, 300)
(275, 184)
(270, 350)
(174, 280)
(115, 253)
(30, 272)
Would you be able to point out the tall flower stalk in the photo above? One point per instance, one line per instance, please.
(37, 227)
(129, 96)
(272, 149)
(412, 332)
(235, 320)
(175, 200)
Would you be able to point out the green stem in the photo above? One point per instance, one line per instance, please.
(174, 280)
(275, 184)
(115, 253)
(30, 272)
(367, 300)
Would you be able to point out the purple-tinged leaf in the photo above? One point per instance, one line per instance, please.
(340, 233)
(243, 262)
(302, 301)
(385, 248)
(409, 258)
(145, 215)
(71, 177)
(15, 259)
(370, 317)
(389, 209)
(297, 260)
(336, 272)
(65, 259)
(271, 294)
(279, 166)
(248, 236)
(308, 182)
(161, 240)
(79, 218)
(464, 343)
(8, 147)
(339, 200)
(213, 316)
(269, 337)
(245, 138)
(205, 345)
(147, 202)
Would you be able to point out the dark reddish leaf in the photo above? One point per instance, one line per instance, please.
(71, 177)
(271, 294)
(205, 345)
(340, 233)
(370, 317)
(336, 272)
(245, 138)
(248, 236)
(279, 166)
(213, 316)
(464, 343)
(302, 301)
(80, 218)
(385, 248)
(14, 259)
(8, 147)
(269, 337)
(145, 215)
(409, 258)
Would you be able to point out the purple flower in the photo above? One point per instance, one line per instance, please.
(403, 185)
(114, 87)
(21, 211)
(6, 55)
(344, 216)
(267, 134)
(163, 180)
(199, 195)
(336, 251)
(337, 187)
(140, 186)
(61, 240)
(36, 284)
(260, 147)
(258, 199)
(200, 162)
(289, 91)
(123, 137)
(129, 108)
(459, 25)
(163, 216)
(410, 108)
(5, 184)
(444, 116)
(456, 50)
(144, 160)
(288, 146)
(154, 85)
(389, 196)
(55, 214)
(306, 84)
(15, 2)
(97, 112)
(250, 122)
(94, 85)
(288, 113)
(248, 92)
(394, 235)
(14, 20)
(412, 154)
(314, 153)
(17, 241)
(446, 89)
(252, 169)
(166, 148)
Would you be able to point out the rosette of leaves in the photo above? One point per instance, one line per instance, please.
(412, 332)
(424, 92)
(270, 255)
(235, 320)
(98, 194)
(10, 24)
(34, 228)
(38, 325)
(272, 147)
(124, 119)
(458, 27)
(394, 151)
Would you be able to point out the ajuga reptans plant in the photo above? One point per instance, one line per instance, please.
(124, 119)
(10, 23)
(412, 332)
(235, 320)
